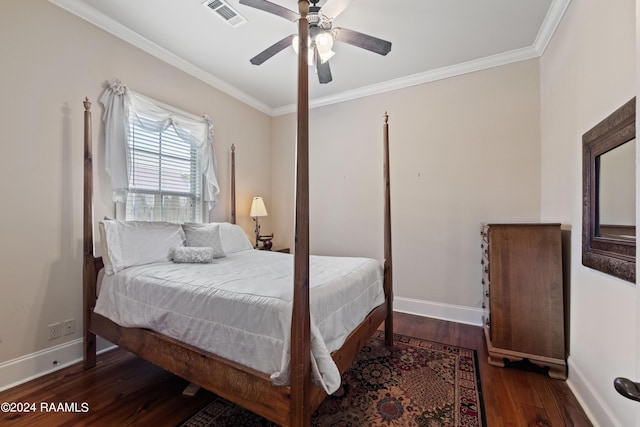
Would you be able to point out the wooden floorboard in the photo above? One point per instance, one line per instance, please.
(123, 390)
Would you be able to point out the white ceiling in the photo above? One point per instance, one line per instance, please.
(431, 39)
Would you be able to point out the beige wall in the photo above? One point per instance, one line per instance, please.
(51, 60)
(463, 150)
(587, 72)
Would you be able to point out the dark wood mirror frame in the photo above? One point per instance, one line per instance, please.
(609, 255)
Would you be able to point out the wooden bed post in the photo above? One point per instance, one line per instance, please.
(388, 264)
(300, 318)
(233, 183)
(88, 262)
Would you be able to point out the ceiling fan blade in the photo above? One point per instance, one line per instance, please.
(272, 50)
(276, 9)
(364, 41)
(333, 8)
(323, 69)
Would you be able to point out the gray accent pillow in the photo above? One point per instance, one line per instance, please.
(198, 235)
(186, 254)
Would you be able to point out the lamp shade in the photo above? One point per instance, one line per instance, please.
(257, 207)
(324, 42)
(294, 43)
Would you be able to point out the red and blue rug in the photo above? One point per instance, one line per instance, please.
(414, 383)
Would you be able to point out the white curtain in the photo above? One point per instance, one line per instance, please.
(122, 105)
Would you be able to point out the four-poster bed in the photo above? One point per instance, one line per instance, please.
(286, 405)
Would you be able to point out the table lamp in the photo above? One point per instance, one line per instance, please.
(257, 210)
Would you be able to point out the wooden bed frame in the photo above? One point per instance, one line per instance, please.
(286, 405)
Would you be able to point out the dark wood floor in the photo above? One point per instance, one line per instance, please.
(123, 390)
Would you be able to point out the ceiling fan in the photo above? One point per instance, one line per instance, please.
(321, 34)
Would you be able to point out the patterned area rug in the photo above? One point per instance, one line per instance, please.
(415, 383)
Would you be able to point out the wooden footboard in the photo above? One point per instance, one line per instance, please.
(237, 383)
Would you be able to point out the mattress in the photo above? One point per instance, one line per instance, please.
(239, 307)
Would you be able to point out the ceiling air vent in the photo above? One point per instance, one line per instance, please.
(225, 12)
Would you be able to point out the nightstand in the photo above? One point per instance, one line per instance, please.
(283, 250)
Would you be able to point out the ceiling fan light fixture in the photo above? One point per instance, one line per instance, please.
(324, 42)
(320, 19)
(294, 44)
(325, 56)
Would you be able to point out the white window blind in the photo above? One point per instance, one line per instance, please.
(165, 181)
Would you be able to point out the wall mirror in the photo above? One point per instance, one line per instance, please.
(609, 194)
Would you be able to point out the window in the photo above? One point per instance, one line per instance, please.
(165, 181)
(160, 159)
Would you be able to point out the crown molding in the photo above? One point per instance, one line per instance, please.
(550, 23)
(419, 78)
(95, 17)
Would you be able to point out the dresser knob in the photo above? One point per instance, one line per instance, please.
(482, 262)
(486, 294)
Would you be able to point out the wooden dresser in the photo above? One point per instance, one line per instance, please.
(523, 295)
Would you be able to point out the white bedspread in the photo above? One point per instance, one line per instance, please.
(239, 307)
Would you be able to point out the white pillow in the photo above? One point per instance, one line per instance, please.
(132, 243)
(232, 236)
(204, 235)
(108, 269)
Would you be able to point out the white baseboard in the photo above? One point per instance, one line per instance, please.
(591, 401)
(26, 368)
(437, 310)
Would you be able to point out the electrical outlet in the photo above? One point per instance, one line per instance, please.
(69, 326)
(55, 330)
